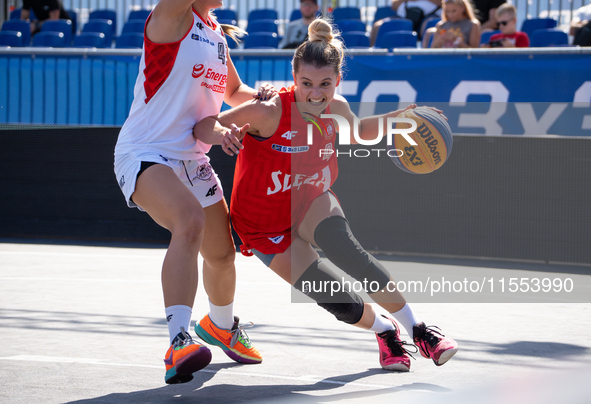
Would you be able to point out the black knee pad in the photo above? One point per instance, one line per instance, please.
(334, 237)
(316, 283)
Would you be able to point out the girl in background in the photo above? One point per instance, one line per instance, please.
(458, 27)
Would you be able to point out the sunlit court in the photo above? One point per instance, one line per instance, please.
(418, 171)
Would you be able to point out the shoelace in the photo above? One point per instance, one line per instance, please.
(429, 336)
(185, 340)
(397, 347)
(239, 332)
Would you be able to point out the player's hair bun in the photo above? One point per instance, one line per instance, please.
(321, 30)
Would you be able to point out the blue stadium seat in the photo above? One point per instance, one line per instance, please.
(89, 40)
(130, 40)
(105, 15)
(346, 13)
(21, 26)
(263, 14)
(231, 43)
(548, 37)
(261, 40)
(138, 15)
(225, 14)
(397, 39)
(228, 22)
(485, 37)
(395, 24)
(429, 23)
(63, 26)
(16, 14)
(534, 24)
(350, 25)
(74, 18)
(49, 39)
(99, 25)
(134, 26)
(263, 26)
(11, 38)
(383, 12)
(356, 39)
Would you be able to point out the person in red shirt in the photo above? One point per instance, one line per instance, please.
(509, 37)
(282, 205)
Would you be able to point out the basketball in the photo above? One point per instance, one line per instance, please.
(434, 142)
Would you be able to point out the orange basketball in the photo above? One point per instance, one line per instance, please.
(434, 142)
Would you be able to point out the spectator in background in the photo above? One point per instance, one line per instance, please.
(580, 26)
(458, 27)
(509, 37)
(485, 10)
(415, 10)
(44, 10)
(296, 31)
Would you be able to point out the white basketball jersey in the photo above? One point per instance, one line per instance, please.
(178, 84)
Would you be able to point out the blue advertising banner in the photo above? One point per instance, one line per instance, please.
(531, 92)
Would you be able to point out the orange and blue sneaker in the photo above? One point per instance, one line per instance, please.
(393, 354)
(433, 344)
(234, 342)
(185, 357)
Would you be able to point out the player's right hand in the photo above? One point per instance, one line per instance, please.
(231, 141)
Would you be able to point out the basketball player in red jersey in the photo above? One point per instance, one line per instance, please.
(282, 204)
(185, 75)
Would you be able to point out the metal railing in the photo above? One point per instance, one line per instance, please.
(562, 10)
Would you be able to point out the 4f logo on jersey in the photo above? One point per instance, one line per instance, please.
(212, 190)
(199, 25)
(222, 52)
(290, 134)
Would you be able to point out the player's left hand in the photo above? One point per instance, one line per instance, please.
(231, 141)
(266, 92)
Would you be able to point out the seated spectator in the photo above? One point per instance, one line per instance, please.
(509, 37)
(415, 10)
(44, 10)
(485, 12)
(296, 31)
(458, 27)
(580, 26)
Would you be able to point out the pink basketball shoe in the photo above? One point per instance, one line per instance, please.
(393, 354)
(433, 344)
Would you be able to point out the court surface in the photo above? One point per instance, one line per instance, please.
(86, 325)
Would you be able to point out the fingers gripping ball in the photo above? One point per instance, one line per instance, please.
(434, 142)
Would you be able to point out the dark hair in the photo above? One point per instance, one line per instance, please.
(322, 48)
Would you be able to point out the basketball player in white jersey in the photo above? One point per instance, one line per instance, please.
(185, 74)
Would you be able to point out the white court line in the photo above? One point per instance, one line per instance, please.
(239, 260)
(31, 279)
(90, 361)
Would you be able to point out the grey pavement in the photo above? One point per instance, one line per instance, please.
(86, 325)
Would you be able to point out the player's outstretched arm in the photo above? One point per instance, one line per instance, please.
(228, 128)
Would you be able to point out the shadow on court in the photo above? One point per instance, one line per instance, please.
(198, 391)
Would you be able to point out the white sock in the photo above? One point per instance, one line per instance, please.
(177, 316)
(222, 316)
(381, 324)
(406, 318)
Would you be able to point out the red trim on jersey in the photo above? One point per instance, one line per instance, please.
(159, 59)
(213, 25)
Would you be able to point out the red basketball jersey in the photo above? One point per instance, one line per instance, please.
(276, 179)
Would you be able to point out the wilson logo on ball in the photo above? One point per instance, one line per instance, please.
(433, 140)
(198, 70)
